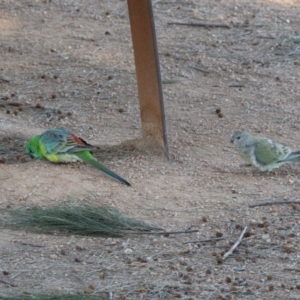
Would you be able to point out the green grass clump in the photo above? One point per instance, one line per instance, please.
(54, 297)
(80, 219)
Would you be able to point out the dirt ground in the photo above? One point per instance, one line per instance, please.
(70, 63)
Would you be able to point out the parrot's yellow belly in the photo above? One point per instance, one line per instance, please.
(63, 158)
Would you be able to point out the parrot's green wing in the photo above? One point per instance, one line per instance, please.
(53, 140)
(60, 140)
(268, 152)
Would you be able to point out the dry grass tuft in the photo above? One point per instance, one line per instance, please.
(54, 297)
(80, 219)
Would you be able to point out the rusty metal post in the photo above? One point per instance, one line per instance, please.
(148, 71)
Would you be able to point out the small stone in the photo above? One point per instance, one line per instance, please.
(128, 251)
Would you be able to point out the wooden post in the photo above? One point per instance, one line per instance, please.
(148, 72)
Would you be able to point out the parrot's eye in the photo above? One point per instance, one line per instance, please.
(238, 137)
(30, 152)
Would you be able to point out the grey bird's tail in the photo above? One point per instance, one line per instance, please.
(293, 157)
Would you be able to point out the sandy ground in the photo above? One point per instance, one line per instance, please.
(69, 63)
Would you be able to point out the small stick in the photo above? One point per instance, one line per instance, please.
(200, 70)
(8, 283)
(31, 244)
(265, 37)
(112, 244)
(273, 203)
(291, 269)
(235, 244)
(236, 85)
(205, 241)
(201, 25)
(4, 80)
(164, 232)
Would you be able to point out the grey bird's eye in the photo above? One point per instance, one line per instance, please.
(238, 137)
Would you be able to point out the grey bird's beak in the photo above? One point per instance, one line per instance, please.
(232, 140)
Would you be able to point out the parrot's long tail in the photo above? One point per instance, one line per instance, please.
(88, 158)
(293, 157)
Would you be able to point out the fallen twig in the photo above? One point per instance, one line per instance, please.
(236, 85)
(273, 203)
(204, 241)
(210, 25)
(4, 80)
(201, 25)
(8, 283)
(164, 232)
(235, 244)
(31, 244)
(200, 70)
(112, 244)
(291, 269)
(265, 37)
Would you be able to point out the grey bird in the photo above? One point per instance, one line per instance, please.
(261, 152)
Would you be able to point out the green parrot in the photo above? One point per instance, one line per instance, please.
(59, 145)
(262, 153)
